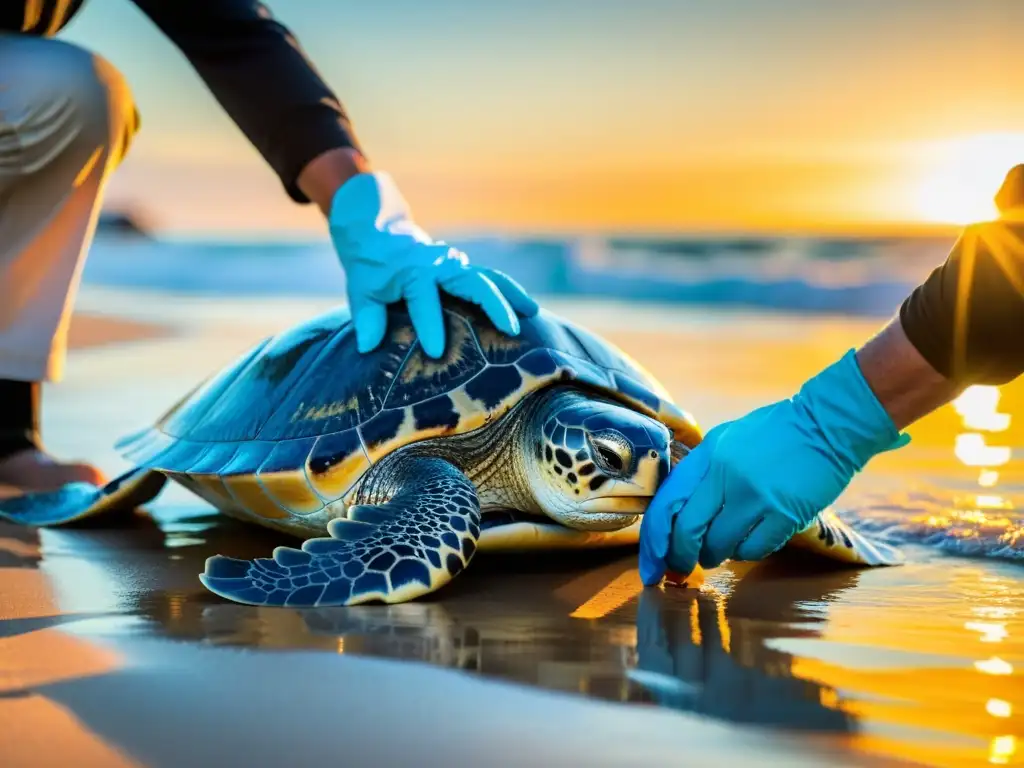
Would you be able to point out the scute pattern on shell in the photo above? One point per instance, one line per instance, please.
(307, 401)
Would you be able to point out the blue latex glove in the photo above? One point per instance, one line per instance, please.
(754, 482)
(388, 258)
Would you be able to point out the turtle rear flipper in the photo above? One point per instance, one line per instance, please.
(830, 537)
(77, 501)
(412, 545)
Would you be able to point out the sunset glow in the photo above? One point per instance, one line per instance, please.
(967, 172)
(573, 116)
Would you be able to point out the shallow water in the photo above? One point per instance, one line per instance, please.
(922, 661)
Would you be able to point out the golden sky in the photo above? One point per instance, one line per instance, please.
(646, 115)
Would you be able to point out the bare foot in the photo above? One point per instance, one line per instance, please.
(35, 470)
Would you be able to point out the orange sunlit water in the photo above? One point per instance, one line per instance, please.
(994, 666)
(959, 700)
(1003, 748)
(991, 632)
(972, 449)
(988, 478)
(998, 708)
(978, 407)
(972, 689)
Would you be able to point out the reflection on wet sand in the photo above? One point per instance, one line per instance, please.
(754, 644)
(725, 667)
(107, 689)
(579, 624)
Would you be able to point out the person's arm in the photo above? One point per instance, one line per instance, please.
(906, 384)
(964, 325)
(753, 483)
(256, 70)
(967, 318)
(324, 175)
(259, 74)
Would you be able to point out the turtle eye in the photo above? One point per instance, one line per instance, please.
(611, 452)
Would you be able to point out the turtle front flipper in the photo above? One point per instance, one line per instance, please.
(830, 537)
(76, 501)
(412, 545)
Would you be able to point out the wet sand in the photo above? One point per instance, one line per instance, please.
(111, 653)
(95, 330)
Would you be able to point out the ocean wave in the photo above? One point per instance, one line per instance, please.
(841, 276)
(967, 525)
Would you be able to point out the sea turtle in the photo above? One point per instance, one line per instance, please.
(396, 468)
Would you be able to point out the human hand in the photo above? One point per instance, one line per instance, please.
(388, 258)
(753, 483)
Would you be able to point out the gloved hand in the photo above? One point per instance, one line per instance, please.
(387, 258)
(753, 483)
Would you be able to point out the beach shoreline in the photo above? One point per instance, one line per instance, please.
(110, 643)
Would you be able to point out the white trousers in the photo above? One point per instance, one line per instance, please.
(67, 118)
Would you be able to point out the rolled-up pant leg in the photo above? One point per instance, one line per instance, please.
(66, 120)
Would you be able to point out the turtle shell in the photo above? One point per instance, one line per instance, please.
(307, 401)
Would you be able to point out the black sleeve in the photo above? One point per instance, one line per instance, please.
(261, 77)
(967, 318)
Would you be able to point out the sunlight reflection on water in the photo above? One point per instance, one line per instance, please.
(978, 408)
(985, 523)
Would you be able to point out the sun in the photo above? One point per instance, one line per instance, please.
(964, 175)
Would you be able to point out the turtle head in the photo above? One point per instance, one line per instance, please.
(595, 464)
